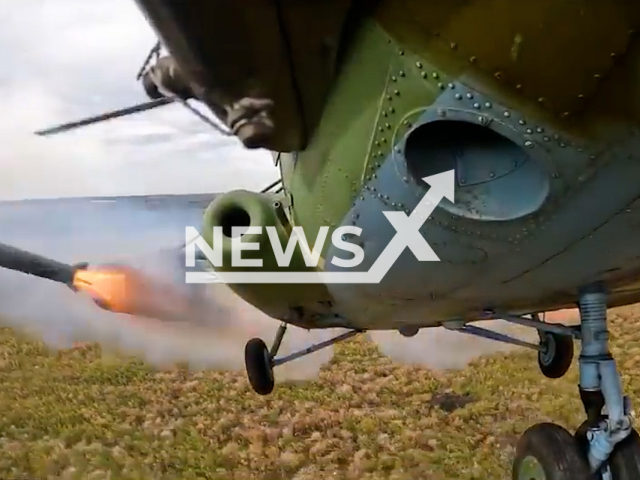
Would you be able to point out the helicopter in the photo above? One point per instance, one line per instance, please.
(531, 109)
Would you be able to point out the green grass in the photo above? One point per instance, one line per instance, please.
(72, 415)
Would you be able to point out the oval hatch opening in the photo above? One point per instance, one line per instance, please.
(496, 179)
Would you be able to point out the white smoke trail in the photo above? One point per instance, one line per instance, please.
(441, 349)
(211, 334)
(208, 334)
(212, 331)
(214, 339)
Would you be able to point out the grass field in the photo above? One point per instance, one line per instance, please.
(72, 415)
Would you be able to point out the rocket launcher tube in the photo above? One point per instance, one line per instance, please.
(76, 277)
(19, 260)
(116, 288)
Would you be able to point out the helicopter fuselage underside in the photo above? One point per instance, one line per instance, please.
(540, 126)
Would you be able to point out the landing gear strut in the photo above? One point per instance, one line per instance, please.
(605, 447)
(260, 360)
(611, 444)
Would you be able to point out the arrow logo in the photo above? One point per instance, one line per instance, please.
(407, 235)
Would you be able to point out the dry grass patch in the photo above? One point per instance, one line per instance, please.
(72, 415)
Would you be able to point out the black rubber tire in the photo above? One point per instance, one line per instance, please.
(557, 362)
(555, 450)
(257, 361)
(624, 461)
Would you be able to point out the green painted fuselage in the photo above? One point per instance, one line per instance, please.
(535, 104)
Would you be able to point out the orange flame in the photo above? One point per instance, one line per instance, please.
(112, 289)
(126, 290)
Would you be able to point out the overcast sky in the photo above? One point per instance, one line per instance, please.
(61, 60)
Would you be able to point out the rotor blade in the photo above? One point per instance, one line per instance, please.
(141, 107)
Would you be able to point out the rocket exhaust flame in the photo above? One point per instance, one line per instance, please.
(148, 312)
(208, 327)
(137, 277)
(108, 289)
(150, 300)
(145, 310)
(123, 289)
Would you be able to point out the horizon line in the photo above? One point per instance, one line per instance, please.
(109, 197)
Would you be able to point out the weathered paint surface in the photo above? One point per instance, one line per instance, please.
(533, 78)
(546, 197)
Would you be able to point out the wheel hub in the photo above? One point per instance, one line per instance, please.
(548, 351)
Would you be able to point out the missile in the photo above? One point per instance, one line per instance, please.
(13, 258)
(116, 288)
(108, 288)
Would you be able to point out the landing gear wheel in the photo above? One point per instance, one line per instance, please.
(624, 461)
(548, 452)
(556, 355)
(257, 361)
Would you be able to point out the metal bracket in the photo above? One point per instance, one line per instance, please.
(271, 186)
(534, 322)
(313, 348)
(282, 329)
(539, 325)
(491, 335)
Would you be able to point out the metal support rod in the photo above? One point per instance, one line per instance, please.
(221, 130)
(154, 51)
(185, 103)
(538, 325)
(270, 186)
(282, 329)
(491, 335)
(314, 348)
(612, 391)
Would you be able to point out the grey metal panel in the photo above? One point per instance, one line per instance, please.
(483, 260)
